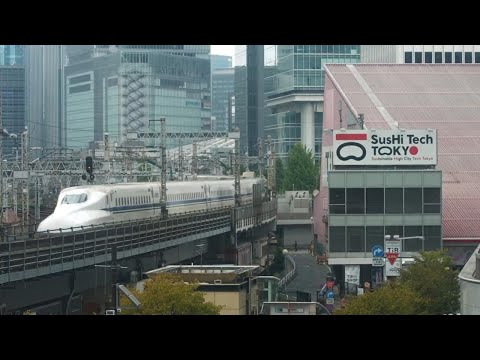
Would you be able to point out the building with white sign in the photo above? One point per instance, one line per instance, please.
(411, 168)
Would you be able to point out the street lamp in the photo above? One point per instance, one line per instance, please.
(285, 252)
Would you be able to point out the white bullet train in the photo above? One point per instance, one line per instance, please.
(98, 204)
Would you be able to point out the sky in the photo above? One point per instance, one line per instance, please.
(224, 50)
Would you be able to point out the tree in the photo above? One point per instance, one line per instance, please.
(390, 299)
(167, 294)
(431, 277)
(279, 174)
(301, 172)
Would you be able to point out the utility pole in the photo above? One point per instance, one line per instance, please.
(114, 279)
(1, 163)
(236, 165)
(106, 157)
(271, 182)
(180, 159)
(260, 157)
(26, 180)
(163, 179)
(194, 159)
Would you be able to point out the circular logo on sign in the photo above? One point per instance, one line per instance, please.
(351, 157)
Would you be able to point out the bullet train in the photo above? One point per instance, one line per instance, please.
(98, 204)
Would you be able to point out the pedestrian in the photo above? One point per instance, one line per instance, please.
(295, 245)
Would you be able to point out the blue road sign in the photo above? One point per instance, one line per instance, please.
(330, 295)
(377, 251)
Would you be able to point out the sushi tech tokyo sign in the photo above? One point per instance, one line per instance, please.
(385, 147)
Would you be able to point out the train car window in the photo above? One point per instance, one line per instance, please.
(74, 199)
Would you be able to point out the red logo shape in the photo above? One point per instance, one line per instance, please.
(330, 284)
(391, 257)
(351, 137)
(413, 150)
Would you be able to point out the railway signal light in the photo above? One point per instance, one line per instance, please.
(89, 164)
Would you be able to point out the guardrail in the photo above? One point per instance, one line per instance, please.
(290, 275)
(49, 253)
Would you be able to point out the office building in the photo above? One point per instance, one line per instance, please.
(220, 62)
(294, 91)
(358, 205)
(122, 92)
(12, 55)
(222, 91)
(45, 94)
(249, 104)
(421, 54)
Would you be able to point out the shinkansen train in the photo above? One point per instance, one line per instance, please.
(98, 204)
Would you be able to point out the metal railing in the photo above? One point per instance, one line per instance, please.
(289, 275)
(26, 254)
(55, 252)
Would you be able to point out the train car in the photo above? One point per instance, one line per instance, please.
(99, 204)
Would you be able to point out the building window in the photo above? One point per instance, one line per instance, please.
(468, 58)
(408, 57)
(458, 57)
(375, 201)
(336, 239)
(448, 58)
(79, 88)
(374, 237)
(431, 200)
(418, 57)
(355, 239)
(412, 245)
(412, 200)
(433, 237)
(393, 200)
(428, 58)
(477, 57)
(79, 79)
(438, 57)
(337, 201)
(355, 201)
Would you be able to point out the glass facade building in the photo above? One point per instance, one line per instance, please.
(123, 91)
(249, 95)
(12, 55)
(222, 91)
(220, 62)
(294, 84)
(12, 97)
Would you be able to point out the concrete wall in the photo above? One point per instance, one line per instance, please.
(233, 302)
(469, 297)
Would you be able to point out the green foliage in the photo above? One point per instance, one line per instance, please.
(390, 299)
(429, 286)
(242, 169)
(279, 175)
(167, 294)
(432, 278)
(301, 171)
(278, 263)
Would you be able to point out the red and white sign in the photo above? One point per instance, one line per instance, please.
(393, 249)
(385, 147)
(391, 257)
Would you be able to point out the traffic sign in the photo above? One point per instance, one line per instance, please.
(377, 251)
(330, 301)
(330, 284)
(392, 257)
(378, 261)
(330, 295)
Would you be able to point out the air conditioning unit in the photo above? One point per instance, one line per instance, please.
(217, 282)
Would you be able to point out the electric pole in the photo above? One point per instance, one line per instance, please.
(271, 168)
(236, 165)
(163, 180)
(194, 159)
(26, 179)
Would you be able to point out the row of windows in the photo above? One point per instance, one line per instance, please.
(429, 57)
(363, 238)
(137, 200)
(385, 201)
(132, 200)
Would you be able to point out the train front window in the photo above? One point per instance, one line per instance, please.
(74, 199)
